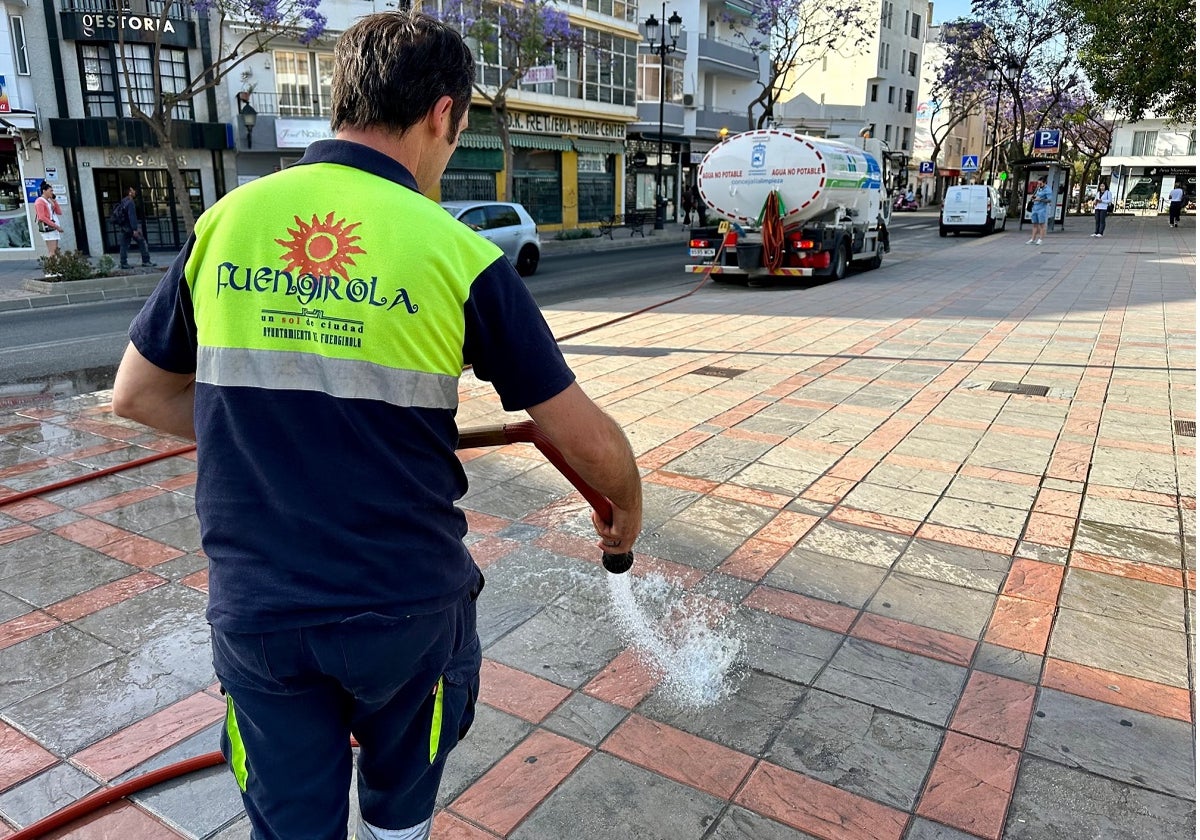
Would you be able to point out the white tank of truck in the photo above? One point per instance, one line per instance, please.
(832, 207)
(814, 176)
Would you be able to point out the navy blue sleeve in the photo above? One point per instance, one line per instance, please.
(130, 212)
(164, 332)
(508, 341)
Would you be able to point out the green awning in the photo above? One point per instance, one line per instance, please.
(743, 7)
(598, 147)
(488, 160)
(467, 140)
(540, 141)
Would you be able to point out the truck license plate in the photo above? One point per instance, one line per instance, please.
(702, 252)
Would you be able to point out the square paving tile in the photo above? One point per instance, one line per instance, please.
(922, 829)
(46, 568)
(895, 680)
(585, 719)
(1053, 801)
(1157, 518)
(930, 603)
(690, 545)
(1120, 744)
(932, 482)
(858, 748)
(862, 545)
(738, 518)
(45, 793)
(740, 824)
(784, 648)
(48, 659)
(608, 797)
(828, 578)
(1121, 646)
(1126, 599)
(1128, 543)
(953, 564)
(492, 736)
(775, 479)
(148, 514)
(891, 501)
(980, 516)
(1006, 662)
(993, 492)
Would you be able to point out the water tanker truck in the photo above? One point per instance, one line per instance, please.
(790, 206)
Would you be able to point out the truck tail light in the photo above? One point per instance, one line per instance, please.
(817, 260)
(799, 243)
(701, 243)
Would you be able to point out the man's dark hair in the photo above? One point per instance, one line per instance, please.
(391, 68)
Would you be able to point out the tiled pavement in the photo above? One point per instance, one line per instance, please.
(966, 613)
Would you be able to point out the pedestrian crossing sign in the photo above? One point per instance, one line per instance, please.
(970, 163)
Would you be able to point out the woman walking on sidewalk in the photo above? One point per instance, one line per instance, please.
(49, 218)
(1103, 203)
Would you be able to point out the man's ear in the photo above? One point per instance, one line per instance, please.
(441, 115)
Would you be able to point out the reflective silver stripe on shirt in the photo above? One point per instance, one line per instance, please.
(350, 379)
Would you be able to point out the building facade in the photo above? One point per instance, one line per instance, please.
(1147, 160)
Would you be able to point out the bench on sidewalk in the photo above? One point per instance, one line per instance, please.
(635, 220)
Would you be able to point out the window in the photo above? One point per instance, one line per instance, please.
(904, 144)
(891, 95)
(908, 101)
(20, 55)
(105, 90)
(1144, 142)
(874, 93)
(886, 16)
(915, 30)
(649, 79)
(907, 19)
(912, 64)
(887, 134)
(887, 56)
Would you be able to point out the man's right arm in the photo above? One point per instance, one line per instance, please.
(596, 448)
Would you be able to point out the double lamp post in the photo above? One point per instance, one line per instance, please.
(657, 36)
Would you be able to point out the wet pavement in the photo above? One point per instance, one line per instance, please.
(947, 509)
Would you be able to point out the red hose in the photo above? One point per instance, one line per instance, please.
(772, 232)
(79, 479)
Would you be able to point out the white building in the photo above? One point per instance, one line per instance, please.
(1147, 160)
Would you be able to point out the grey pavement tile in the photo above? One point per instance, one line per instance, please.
(787, 649)
(1024, 459)
(804, 460)
(839, 429)
(691, 545)
(85, 708)
(982, 517)
(901, 682)
(739, 518)
(11, 607)
(181, 567)
(157, 471)
(931, 603)
(1133, 470)
(172, 612)
(780, 480)
(661, 503)
(182, 533)
(1121, 646)
(239, 829)
(46, 568)
(57, 520)
(150, 513)
(740, 824)
(1128, 543)
(858, 748)
(1125, 599)
(991, 491)
(1006, 662)
(45, 793)
(201, 803)
(724, 587)
(508, 500)
(492, 736)
(818, 509)
(49, 439)
(496, 467)
(1157, 518)
(48, 659)
(718, 458)
(932, 482)
(521, 532)
(1052, 801)
(746, 720)
(862, 545)
(585, 719)
(1044, 553)
(607, 797)
(1064, 485)
(922, 829)
(968, 567)
(546, 477)
(828, 578)
(1124, 745)
(891, 501)
(567, 643)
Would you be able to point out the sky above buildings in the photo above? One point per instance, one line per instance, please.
(944, 10)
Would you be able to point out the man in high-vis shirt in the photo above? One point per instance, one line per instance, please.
(310, 337)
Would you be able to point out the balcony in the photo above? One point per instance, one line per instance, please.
(711, 120)
(727, 59)
(289, 104)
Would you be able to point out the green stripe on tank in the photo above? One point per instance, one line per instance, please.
(345, 378)
(435, 728)
(237, 749)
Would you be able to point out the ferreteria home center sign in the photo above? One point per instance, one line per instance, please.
(557, 124)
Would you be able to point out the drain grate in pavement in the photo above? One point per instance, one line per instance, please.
(1018, 388)
(1185, 428)
(723, 373)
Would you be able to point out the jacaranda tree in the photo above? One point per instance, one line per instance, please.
(160, 104)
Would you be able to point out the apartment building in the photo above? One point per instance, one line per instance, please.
(878, 88)
(1147, 160)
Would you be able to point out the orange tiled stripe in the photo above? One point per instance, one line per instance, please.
(970, 786)
(753, 559)
(678, 755)
(20, 757)
(518, 693)
(1131, 569)
(104, 596)
(1020, 624)
(1118, 689)
(624, 682)
(924, 641)
(995, 709)
(802, 608)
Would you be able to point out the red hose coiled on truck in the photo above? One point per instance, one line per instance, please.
(771, 221)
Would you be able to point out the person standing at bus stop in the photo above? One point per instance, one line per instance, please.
(310, 337)
(1039, 215)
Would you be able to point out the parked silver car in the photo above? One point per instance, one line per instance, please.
(506, 224)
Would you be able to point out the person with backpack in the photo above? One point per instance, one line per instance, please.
(1103, 204)
(129, 228)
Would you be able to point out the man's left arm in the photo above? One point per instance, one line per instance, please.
(158, 398)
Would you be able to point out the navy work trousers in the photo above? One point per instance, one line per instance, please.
(405, 688)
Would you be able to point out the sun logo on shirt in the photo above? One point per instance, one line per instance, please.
(321, 248)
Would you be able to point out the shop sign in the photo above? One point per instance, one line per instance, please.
(589, 162)
(147, 159)
(539, 75)
(113, 26)
(298, 134)
(559, 124)
(5, 105)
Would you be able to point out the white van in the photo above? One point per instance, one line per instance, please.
(975, 207)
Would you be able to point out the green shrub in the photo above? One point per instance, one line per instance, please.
(577, 233)
(66, 265)
(105, 266)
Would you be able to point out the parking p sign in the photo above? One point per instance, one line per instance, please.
(926, 167)
(1047, 141)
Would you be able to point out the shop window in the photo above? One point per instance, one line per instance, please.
(104, 79)
(458, 185)
(537, 184)
(14, 212)
(20, 54)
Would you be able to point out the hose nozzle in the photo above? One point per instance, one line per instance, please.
(618, 564)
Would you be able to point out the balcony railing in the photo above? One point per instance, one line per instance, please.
(288, 104)
(151, 8)
(1161, 150)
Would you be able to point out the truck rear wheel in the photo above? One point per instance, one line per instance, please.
(877, 260)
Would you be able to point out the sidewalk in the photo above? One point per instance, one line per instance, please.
(946, 507)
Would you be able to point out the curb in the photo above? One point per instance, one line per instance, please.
(61, 293)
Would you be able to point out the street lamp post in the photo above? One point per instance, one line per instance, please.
(1001, 77)
(662, 49)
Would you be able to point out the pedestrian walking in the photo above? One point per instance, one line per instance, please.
(131, 230)
(1103, 204)
(49, 217)
(1043, 199)
(1176, 206)
(316, 326)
